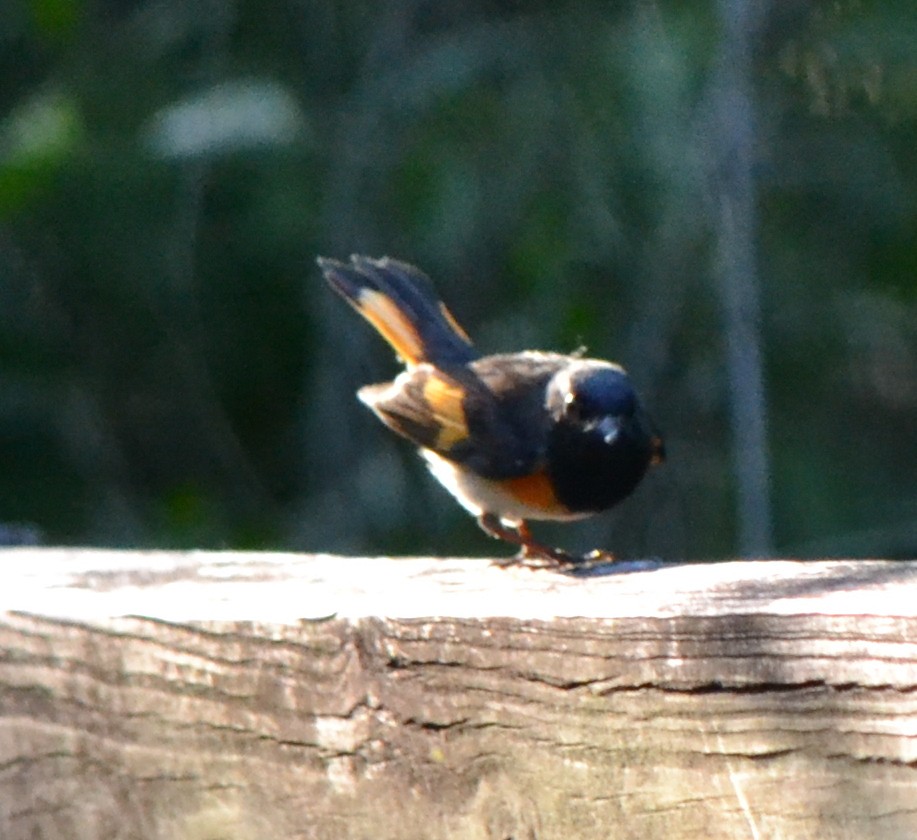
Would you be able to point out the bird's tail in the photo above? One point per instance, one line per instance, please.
(400, 302)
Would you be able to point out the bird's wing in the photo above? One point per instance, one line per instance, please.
(456, 415)
(488, 415)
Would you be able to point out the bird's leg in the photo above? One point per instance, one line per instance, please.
(532, 553)
(534, 550)
(493, 526)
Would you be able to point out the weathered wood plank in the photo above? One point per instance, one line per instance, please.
(210, 695)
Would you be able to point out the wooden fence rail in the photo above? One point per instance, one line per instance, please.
(211, 696)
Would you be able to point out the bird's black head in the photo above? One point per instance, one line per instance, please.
(598, 393)
(594, 396)
(602, 440)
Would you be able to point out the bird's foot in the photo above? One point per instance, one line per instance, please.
(541, 557)
(535, 555)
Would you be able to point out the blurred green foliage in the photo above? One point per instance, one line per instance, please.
(173, 373)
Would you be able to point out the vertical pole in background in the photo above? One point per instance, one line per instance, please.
(734, 195)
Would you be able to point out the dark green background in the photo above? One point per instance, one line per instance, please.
(174, 373)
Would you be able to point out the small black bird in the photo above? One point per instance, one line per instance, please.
(513, 436)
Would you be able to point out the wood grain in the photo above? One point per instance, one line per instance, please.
(223, 695)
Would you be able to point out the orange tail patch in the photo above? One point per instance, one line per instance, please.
(391, 323)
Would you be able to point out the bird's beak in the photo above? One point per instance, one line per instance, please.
(609, 427)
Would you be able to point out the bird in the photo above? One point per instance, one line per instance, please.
(514, 437)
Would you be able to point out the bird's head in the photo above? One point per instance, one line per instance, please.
(596, 398)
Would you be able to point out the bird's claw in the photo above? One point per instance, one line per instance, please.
(534, 555)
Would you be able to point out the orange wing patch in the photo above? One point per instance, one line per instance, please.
(391, 324)
(534, 491)
(446, 401)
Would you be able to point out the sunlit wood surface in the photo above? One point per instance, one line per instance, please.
(211, 695)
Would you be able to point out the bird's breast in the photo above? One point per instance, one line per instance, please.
(592, 471)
